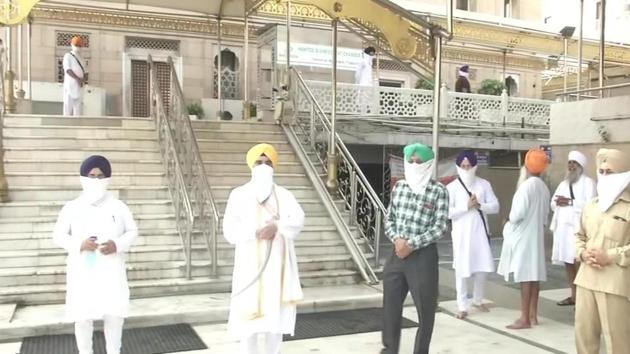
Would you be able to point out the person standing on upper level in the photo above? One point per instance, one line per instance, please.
(462, 84)
(74, 79)
(365, 79)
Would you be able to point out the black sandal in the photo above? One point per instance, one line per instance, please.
(566, 302)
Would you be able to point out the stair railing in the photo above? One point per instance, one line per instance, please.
(367, 212)
(178, 143)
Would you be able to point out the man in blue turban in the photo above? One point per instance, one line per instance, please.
(471, 199)
(96, 230)
(417, 217)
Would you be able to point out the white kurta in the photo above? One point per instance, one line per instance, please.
(566, 219)
(96, 283)
(523, 252)
(363, 75)
(471, 249)
(269, 306)
(71, 87)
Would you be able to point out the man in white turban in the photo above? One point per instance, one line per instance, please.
(567, 203)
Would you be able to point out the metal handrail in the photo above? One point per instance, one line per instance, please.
(609, 87)
(205, 211)
(177, 184)
(356, 191)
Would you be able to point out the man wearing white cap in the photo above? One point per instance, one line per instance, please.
(567, 203)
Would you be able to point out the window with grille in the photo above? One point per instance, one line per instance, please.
(63, 40)
(152, 43)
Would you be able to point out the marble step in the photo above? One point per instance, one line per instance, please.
(81, 132)
(122, 179)
(80, 153)
(38, 165)
(241, 167)
(235, 134)
(160, 269)
(61, 193)
(73, 143)
(47, 223)
(52, 208)
(42, 294)
(217, 156)
(84, 121)
(238, 126)
(286, 180)
(42, 240)
(240, 146)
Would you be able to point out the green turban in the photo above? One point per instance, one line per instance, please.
(422, 151)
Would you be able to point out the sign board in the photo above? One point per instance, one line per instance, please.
(483, 158)
(320, 56)
(547, 150)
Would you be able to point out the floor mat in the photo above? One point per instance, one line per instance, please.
(337, 323)
(149, 340)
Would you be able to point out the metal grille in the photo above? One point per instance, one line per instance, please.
(152, 43)
(392, 66)
(64, 38)
(140, 104)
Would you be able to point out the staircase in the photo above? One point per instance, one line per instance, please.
(322, 255)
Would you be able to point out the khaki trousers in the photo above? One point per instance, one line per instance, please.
(598, 314)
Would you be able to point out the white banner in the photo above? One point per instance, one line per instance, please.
(319, 56)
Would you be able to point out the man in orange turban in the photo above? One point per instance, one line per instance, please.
(73, 79)
(523, 253)
(262, 221)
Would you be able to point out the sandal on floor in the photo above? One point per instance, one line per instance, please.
(461, 315)
(566, 302)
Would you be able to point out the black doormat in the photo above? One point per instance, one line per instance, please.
(148, 340)
(338, 323)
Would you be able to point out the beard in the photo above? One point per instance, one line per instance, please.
(573, 176)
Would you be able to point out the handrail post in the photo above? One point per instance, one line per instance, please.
(504, 106)
(377, 237)
(353, 196)
(215, 257)
(189, 252)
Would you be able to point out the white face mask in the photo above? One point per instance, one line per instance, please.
(94, 189)
(262, 178)
(467, 176)
(418, 175)
(610, 187)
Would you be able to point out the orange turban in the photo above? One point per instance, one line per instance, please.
(536, 161)
(262, 149)
(77, 41)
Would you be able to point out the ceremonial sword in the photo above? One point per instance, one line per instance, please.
(260, 272)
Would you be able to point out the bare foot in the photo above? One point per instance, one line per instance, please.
(534, 321)
(482, 307)
(519, 324)
(461, 315)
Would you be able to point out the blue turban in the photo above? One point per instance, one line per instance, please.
(422, 151)
(96, 161)
(466, 154)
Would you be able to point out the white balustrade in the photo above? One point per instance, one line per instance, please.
(464, 108)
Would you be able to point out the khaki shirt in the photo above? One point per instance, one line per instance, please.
(609, 231)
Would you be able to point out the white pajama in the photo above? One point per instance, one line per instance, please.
(461, 285)
(112, 327)
(249, 345)
(72, 106)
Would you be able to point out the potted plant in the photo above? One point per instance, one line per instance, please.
(491, 87)
(195, 111)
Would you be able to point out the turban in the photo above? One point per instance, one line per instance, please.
(614, 160)
(578, 157)
(422, 151)
(77, 41)
(262, 149)
(466, 154)
(96, 161)
(536, 161)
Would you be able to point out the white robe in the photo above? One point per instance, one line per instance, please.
(566, 219)
(268, 306)
(523, 252)
(471, 249)
(363, 74)
(71, 87)
(96, 284)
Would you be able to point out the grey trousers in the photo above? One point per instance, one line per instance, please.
(418, 274)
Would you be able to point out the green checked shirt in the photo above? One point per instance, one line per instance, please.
(420, 219)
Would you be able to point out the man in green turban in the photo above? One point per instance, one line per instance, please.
(417, 218)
